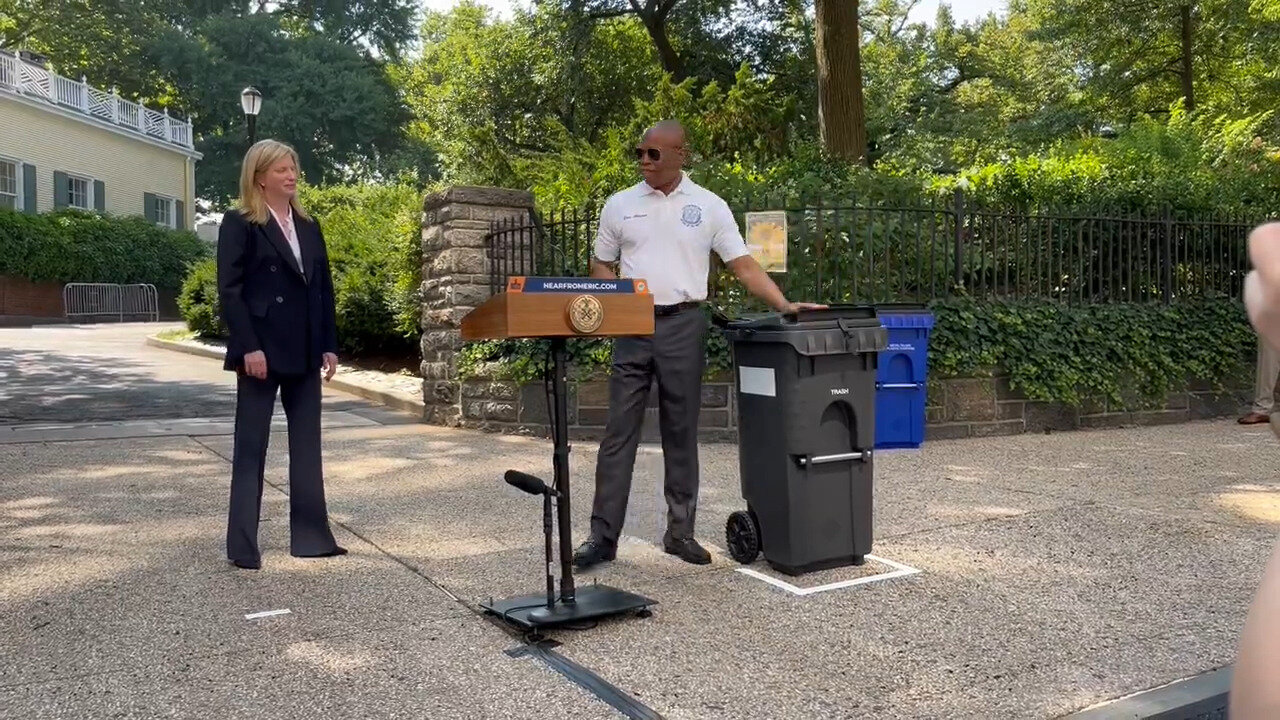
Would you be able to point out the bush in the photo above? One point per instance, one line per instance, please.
(372, 235)
(198, 301)
(77, 246)
(1124, 353)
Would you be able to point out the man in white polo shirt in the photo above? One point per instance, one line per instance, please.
(663, 230)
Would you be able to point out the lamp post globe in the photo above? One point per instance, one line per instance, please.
(251, 104)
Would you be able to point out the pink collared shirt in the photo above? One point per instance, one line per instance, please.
(290, 232)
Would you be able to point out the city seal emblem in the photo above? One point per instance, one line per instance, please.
(585, 314)
(691, 215)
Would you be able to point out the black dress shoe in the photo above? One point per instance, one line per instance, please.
(336, 551)
(687, 549)
(246, 564)
(593, 552)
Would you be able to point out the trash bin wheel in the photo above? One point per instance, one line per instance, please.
(742, 534)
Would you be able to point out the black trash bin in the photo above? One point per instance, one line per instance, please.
(806, 398)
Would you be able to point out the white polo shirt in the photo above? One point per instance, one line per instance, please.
(668, 239)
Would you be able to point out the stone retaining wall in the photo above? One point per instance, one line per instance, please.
(503, 406)
(957, 408)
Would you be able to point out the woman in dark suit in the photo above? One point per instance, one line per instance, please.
(277, 300)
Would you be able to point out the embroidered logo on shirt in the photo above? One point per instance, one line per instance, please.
(691, 215)
(633, 217)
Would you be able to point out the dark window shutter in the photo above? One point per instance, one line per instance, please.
(149, 206)
(29, 188)
(179, 219)
(99, 196)
(60, 190)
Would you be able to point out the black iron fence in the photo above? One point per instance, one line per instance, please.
(880, 252)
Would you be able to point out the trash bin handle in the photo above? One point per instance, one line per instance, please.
(863, 455)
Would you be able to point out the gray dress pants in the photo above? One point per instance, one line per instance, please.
(675, 355)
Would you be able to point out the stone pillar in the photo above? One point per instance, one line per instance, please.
(456, 268)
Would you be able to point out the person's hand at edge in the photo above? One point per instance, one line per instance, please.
(255, 364)
(798, 306)
(330, 366)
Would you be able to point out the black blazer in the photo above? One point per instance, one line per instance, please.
(267, 303)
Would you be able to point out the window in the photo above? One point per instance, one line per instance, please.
(161, 211)
(10, 184)
(79, 192)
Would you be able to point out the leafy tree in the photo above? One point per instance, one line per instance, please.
(195, 57)
(341, 137)
(485, 90)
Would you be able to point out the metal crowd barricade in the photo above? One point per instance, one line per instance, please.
(89, 300)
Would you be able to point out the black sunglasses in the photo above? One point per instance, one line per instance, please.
(654, 153)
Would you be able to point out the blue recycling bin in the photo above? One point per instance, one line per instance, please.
(902, 375)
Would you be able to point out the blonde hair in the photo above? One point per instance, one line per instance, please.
(259, 159)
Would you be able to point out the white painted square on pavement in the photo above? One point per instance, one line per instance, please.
(899, 570)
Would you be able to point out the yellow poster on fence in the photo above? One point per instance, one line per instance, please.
(767, 239)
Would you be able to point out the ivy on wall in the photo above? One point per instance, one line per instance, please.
(1049, 351)
(1072, 353)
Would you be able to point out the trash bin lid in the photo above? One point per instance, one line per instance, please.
(827, 318)
(836, 330)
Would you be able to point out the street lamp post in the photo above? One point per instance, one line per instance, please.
(251, 103)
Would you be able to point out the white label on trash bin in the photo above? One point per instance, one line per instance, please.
(757, 381)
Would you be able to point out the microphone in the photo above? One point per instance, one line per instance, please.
(527, 483)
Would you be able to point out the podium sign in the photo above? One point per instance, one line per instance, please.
(537, 307)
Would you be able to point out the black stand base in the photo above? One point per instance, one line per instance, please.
(592, 603)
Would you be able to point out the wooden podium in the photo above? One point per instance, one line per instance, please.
(558, 309)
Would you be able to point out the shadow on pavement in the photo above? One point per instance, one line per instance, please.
(48, 386)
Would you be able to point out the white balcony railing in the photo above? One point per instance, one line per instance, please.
(24, 78)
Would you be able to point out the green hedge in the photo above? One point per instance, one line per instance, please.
(1069, 354)
(372, 234)
(77, 246)
(1122, 352)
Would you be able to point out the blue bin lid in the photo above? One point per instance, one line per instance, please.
(908, 319)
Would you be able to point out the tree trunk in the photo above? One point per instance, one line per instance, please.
(1188, 87)
(657, 27)
(841, 120)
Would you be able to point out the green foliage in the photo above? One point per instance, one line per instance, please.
(198, 300)
(483, 88)
(76, 246)
(1070, 354)
(1191, 164)
(324, 89)
(374, 240)
(1124, 353)
(372, 235)
(332, 102)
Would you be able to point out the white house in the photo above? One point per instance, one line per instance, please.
(66, 144)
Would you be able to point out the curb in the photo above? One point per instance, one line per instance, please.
(373, 394)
